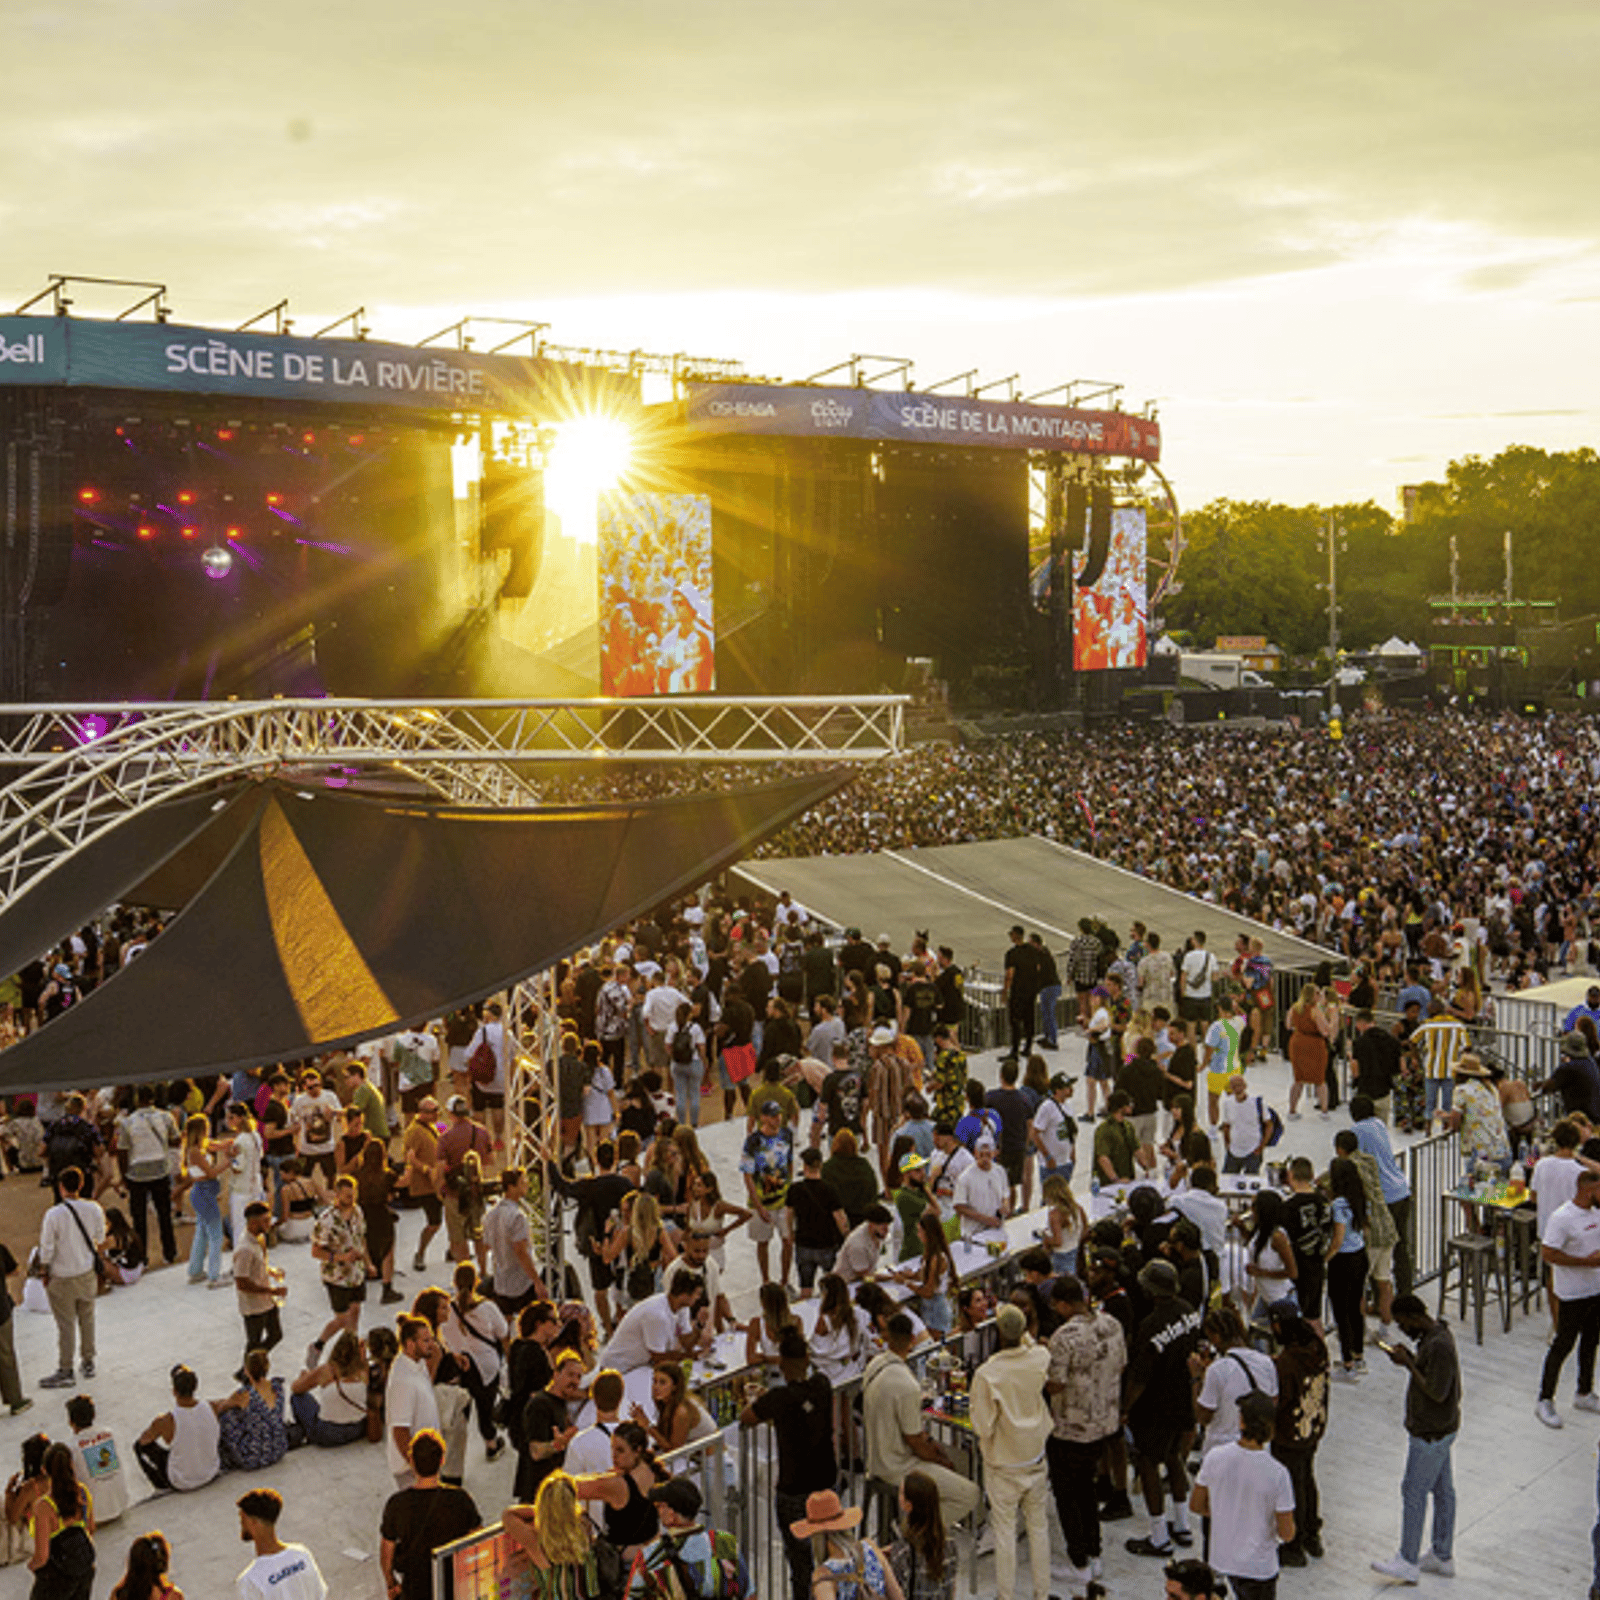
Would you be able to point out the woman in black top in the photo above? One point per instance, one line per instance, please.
(631, 1520)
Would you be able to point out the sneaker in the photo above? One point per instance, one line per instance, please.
(58, 1380)
(1145, 1547)
(24, 1404)
(1312, 1545)
(1586, 1402)
(1096, 1571)
(1397, 1568)
(87, 1369)
(1439, 1566)
(1291, 1555)
(1359, 1366)
(1294, 1116)
(391, 1296)
(419, 1262)
(1182, 1537)
(1117, 1509)
(314, 1354)
(1546, 1412)
(1345, 1372)
(220, 1283)
(496, 1447)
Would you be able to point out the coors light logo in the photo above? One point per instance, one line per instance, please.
(830, 414)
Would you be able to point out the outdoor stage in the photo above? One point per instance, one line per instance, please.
(968, 895)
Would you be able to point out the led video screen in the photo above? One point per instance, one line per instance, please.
(657, 634)
(1109, 611)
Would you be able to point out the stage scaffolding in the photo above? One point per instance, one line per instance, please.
(74, 773)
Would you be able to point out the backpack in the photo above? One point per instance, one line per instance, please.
(683, 1046)
(663, 1574)
(1271, 1124)
(482, 1063)
(66, 1145)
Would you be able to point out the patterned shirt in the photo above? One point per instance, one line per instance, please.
(340, 1234)
(1440, 1042)
(769, 1164)
(949, 1085)
(1083, 960)
(1088, 1355)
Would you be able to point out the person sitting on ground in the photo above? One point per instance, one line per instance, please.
(329, 1401)
(253, 1433)
(25, 1486)
(301, 1195)
(179, 1450)
(63, 1532)
(96, 1461)
(123, 1252)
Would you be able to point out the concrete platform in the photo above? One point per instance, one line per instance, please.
(1527, 1495)
(968, 895)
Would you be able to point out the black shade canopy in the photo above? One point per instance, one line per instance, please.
(335, 919)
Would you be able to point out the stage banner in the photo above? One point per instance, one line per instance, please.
(174, 359)
(657, 633)
(1109, 615)
(803, 412)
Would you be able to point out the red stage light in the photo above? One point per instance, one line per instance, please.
(224, 433)
(358, 438)
(89, 497)
(189, 533)
(274, 499)
(235, 533)
(146, 532)
(308, 438)
(186, 497)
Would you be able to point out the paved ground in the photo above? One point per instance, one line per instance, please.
(1527, 1494)
(968, 895)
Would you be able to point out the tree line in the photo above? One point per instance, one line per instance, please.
(1255, 567)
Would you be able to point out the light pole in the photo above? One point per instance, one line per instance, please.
(1333, 542)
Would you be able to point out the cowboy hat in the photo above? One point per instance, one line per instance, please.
(825, 1514)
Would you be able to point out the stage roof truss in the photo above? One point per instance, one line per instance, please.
(83, 769)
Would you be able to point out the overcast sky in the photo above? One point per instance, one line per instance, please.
(1338, 244)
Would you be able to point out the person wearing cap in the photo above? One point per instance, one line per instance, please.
(1053, 1131)
(1088, 1356)
(895, 1068)
(1576, 1079)
(462, 1135)
(261, 1287)
(767, 1162)
(862, 1249)
(982, 1195)
(1118, 1154)
(843, 1563)
(1247, 1494)
(1158, 1407)
(897, 1437)
(317, 1118)
(1012, 1425)
(911, 1199)
(419, 1150)
(682, 1546)
(1192, 1580)
(949, 1160)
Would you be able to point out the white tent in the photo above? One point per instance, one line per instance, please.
(1394, 645)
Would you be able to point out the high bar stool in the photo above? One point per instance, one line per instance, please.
(1523, 1257)
(1477, 1259)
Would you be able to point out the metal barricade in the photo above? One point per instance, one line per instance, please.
(1432, 1166)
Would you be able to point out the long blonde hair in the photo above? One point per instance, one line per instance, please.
(196, 1134)
(1057, 1193)
(644, 1225)
(563, 1526)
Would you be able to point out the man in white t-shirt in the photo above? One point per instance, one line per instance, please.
(1247, 1494)
(590, 1449)
(1571, 1249)
(650, 1332)
(1241, 1119)
(316, 1117)
(1195, 973)
(949, 1160)
(280, 1571)
(1237, 1371)
(409, 1405)
(659, 1012)
(982, 1195)
(1555, 1177)
(96, 1461)
(1052, 1132)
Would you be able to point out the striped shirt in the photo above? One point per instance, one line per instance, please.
(1440, 1042)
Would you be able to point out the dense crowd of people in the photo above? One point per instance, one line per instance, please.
(1153, 1329)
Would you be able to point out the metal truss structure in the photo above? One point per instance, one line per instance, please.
(76, 772)
(80, 770)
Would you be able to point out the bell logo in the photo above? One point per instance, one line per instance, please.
(27, 352)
